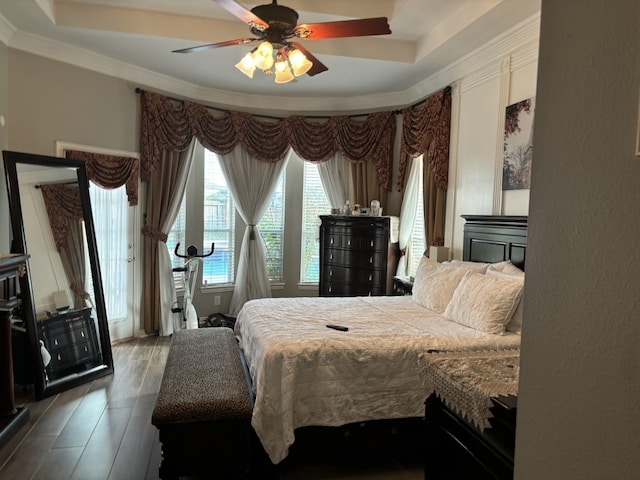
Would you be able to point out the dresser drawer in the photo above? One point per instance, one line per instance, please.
(355, 242)
(342, 289)
(353, 257)
(366, 277)
(71, 355)
(68, 333)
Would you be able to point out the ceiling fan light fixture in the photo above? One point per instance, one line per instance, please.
(300, 64)
(247, 65)
(283, 72)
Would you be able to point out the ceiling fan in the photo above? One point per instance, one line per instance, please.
(274, 25)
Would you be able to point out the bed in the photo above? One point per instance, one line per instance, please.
(306, 375)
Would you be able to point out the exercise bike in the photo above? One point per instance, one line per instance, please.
(190, 268)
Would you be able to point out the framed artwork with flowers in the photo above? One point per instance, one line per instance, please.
(518, 145)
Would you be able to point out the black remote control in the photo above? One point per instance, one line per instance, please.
(338, 327)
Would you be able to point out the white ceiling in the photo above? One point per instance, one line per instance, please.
(133, 39)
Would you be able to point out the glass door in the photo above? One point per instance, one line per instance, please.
(114, 225)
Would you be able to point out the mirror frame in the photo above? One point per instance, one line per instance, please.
(19, 245)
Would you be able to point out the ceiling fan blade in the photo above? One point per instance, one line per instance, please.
(247, 16)
(344, 28)
(318, 66)
(228, 43)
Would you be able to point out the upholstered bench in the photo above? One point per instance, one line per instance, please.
(203, 408)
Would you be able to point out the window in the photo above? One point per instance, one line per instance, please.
(271, 228)
(218, 224)
(177, 235)
(314, 204)
(215, 223)
(418, 244)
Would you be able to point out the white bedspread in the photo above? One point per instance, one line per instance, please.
(307, 374)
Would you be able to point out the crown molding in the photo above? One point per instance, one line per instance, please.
(484, 63)
(6, 30)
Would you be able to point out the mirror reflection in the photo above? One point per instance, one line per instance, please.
(63, 304)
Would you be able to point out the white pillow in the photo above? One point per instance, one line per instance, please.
(515, 324)
(505, 267)
(484, 302)
(482, 267)
(435, 283)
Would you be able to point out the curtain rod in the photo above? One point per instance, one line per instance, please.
(447, 89)
(57, 183)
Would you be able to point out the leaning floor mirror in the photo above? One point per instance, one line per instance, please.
(63, 309)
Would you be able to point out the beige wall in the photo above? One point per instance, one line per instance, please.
(53, 101)
(578, 414)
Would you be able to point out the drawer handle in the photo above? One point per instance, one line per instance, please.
(329, 288)
(331, 272)
(370, 259)
(59, 357)
(372, 242)
(349, 242)
(82, 333)
(331, 240)
(331, 257)
(55, 341)
(86, 349)
(370, 276)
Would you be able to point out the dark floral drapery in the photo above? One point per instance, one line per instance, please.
(170, 126)
(64, 209)
(110, 171)
(63, 205)
(426, 131)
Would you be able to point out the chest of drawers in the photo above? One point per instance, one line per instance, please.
(72, 342)
(358, 255)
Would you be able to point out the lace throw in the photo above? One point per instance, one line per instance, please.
(466, 381)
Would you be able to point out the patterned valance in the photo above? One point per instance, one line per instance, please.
(170, 125)
(110, 171)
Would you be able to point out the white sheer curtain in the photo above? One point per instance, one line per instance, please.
(110, 208)
(334, 175)
(408, 215)
(251, 183)
(170, 322)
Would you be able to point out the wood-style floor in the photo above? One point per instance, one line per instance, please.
(103, 430)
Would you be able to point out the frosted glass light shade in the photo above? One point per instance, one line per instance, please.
(263, 56)
(247, 65)
(299, 62)
(283, 73)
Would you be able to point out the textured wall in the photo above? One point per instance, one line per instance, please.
(580, 373)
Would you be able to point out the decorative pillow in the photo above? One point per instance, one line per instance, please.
(482, 267)
(435, 283)
(505, 267)
(515, 324)
(484, 302)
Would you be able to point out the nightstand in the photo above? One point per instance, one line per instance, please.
(402, 286)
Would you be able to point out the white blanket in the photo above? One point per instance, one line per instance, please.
(307, 374)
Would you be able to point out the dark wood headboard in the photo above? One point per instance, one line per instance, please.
(490, 238)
